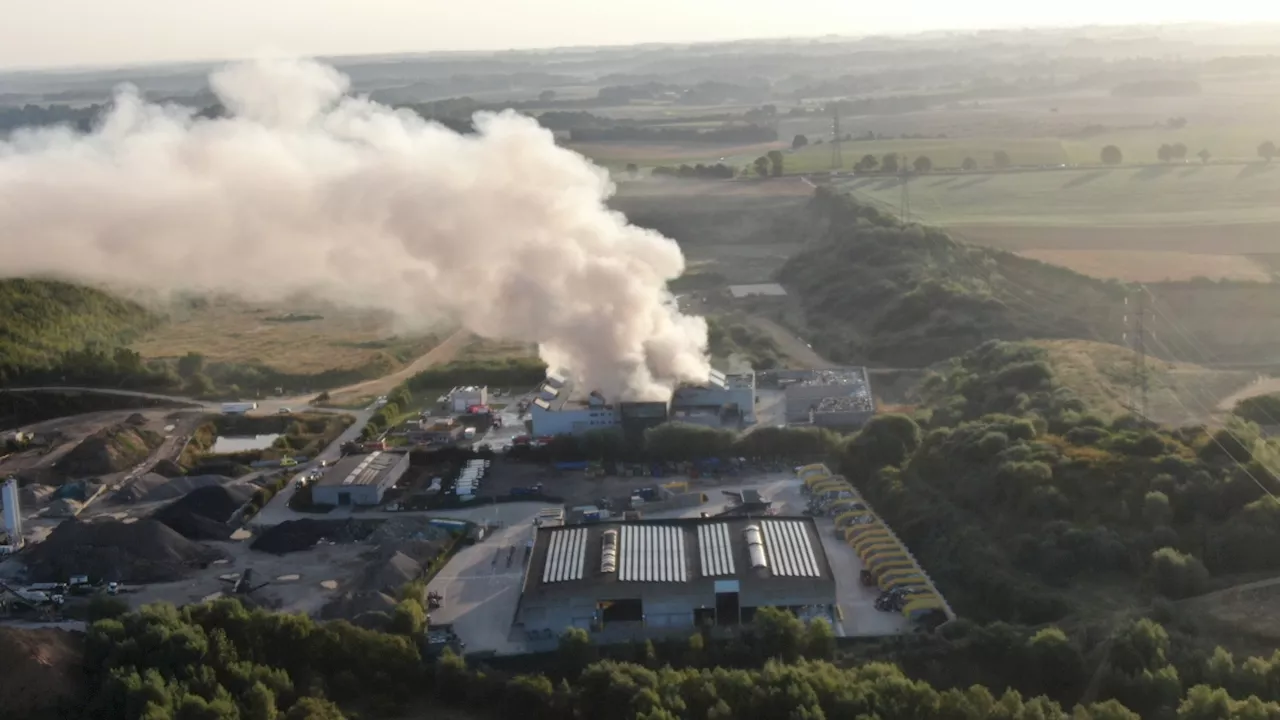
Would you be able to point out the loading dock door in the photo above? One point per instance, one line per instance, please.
(728, 611)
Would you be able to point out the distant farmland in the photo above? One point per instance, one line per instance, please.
(1145, 224)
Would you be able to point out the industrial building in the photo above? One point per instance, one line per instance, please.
(561, 409)
(839, 398)
(629, 579)
(360, 479)
(462, 399)
(723, 401)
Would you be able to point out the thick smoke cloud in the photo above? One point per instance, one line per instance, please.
(304, 189)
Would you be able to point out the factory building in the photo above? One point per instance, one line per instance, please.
(559, 409)
(360, 479)
(839, 398)
(644, 578)
(462, 399)
(723, 401)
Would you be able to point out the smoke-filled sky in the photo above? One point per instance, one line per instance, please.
(81, 32)
(307, 190)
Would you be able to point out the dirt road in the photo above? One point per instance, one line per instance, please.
(438, 355)
(1264, 385)
(799, 354)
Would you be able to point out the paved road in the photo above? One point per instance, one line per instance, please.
(277, 510)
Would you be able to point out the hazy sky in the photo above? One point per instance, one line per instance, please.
(99, 32)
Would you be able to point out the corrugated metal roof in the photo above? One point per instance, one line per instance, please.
(652, 553)
(789, 548)
(715, 550)
(566, 556)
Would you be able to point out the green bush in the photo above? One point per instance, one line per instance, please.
(1177, 575)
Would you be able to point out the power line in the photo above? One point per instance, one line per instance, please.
(1140, 383)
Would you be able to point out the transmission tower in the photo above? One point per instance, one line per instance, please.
(1136, 322)
(837, 156)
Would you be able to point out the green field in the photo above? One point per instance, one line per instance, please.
(1168, 195)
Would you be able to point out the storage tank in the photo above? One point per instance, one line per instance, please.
(12, 512)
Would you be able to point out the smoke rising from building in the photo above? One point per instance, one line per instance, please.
(303, 189)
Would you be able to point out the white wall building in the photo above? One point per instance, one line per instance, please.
(461, 398)
(558, 411)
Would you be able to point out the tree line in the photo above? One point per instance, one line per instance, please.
(223, 661)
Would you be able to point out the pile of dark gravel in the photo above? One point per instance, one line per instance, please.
(143, 552)
(298, 535)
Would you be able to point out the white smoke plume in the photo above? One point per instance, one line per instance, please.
(304, 189)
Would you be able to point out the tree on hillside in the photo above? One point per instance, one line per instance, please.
(923, 164)
(969, 164)
(762, 166)
(1267, 151)
(1179, 152)
(1001, 159)
(775, 159)
(889, 163)
(1204, 156)
(1111, 155)
(1165, 153)
(868, 163)
(799, 142)
(190, 364)
(547, 96)
(632, 170)
(199, 385)
(1177, 575)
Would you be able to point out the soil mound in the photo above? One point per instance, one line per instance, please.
(167, 468)
(143, 552)
(202, 513)
(153, 487)
(389, 576)
(298, 535)
(43, 673)
(110, 450)
(136, 419)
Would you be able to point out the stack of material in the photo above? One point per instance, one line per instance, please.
(391, 574)
(143, 552)
(364, 608)
(153, 487)
(202, 513)
(297, 535)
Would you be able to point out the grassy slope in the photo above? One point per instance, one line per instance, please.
(44, 319)
(909, 297)
(1101, 375)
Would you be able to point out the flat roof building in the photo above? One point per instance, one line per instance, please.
(360, 479)
(631, 579)
(836, 398)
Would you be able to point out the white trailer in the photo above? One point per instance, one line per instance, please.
(239, 408)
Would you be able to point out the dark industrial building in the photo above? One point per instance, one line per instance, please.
(629, 579)
(360, 479)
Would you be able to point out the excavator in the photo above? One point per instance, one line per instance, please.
(243, 585)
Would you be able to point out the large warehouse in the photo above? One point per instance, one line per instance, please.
(652, 577)
(360, 479)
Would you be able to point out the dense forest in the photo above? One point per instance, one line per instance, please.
(54, 330)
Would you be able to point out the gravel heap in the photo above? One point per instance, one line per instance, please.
(407, 528)
(153, 487)
(297, 535)
(391, 574)
(202, 513)
(143, 552)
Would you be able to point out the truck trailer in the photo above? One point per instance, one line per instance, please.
(239, 408)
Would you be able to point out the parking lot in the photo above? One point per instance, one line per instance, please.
(480, 587)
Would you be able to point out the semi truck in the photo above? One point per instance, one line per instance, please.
(238, 408)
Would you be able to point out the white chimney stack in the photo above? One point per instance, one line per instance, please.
(12, 513)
